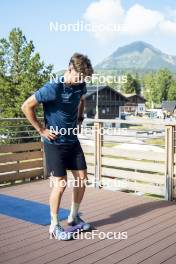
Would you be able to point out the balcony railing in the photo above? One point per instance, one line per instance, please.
(133, 158)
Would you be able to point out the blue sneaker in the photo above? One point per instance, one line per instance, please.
(58, 233)
(78, 221)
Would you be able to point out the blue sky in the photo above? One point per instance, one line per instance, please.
(34, 16)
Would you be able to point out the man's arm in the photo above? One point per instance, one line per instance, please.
(81, 112)
(81, 108)
(28, 108)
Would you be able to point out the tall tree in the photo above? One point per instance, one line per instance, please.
(163, 83)
(21, 72)
(172, 91)
(159, 86)
(132, 85)
(150, 92)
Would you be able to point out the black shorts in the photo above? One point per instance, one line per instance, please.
(60, 158)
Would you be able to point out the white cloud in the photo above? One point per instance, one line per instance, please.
(168, 27)
(140, 20)
(137, 19)
(104, 12)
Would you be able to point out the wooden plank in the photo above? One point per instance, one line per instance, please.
(171, 260)
(169, 139)
(98, 154)
(21, 156)
(20, 147)
(90, 169)
(88, 149)
(161, 256)
(45, 173)
(134, 176)
(134, 186)
(146, 188)
(132, 164)
(21, 166)
(134, 154)
(21, 175)
(128, 175)
(90, 159)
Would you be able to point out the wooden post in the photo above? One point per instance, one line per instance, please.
(44, 162)
(170, 143)
(98, 154)
(174, 165)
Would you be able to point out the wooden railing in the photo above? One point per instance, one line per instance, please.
(21, 154)
(130, 170)
(21, 161)
(134, 170)
(170, 140)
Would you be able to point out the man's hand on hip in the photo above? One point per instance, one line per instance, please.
(44, 132)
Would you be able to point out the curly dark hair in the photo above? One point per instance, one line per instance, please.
(81, 64)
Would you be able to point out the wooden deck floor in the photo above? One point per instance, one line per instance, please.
(150, 224)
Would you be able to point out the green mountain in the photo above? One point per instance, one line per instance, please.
(138, 56)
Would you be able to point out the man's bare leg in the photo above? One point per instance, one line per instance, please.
(58, 186)
(78, 192)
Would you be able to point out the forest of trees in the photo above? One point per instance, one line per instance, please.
(158, 87)
(155, 87)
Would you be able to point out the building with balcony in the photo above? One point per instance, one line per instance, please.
(111, 102)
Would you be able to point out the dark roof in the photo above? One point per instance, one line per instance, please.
(93, 89)
(170, 106)
(133, 95)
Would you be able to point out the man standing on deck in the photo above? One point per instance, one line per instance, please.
(63, 105)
